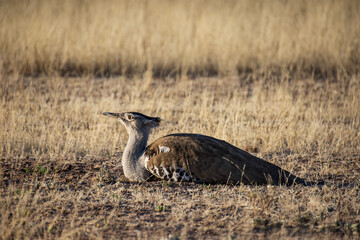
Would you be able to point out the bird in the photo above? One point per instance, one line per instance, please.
(189, 157)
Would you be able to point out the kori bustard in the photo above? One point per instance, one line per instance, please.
(191, 157)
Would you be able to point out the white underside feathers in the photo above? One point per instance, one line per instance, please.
(164, 149)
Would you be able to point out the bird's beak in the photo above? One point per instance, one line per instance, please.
(113, 115)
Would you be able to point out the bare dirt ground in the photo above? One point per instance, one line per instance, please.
(89, 199)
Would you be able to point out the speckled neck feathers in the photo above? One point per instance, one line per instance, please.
(133, 160)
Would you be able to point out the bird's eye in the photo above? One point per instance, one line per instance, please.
(130, 117)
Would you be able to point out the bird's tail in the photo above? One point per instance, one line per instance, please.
(286, 178)
(322, 183)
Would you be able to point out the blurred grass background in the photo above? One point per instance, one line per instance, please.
(75, 37)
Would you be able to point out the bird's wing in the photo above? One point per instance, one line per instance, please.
(211, 160)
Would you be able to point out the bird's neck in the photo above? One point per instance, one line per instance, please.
(133, 163)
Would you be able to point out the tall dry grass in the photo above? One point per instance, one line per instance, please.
(166, 37)
(59, 118)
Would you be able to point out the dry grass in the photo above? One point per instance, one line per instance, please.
(59, 117)
(58, 177)
(167, 37)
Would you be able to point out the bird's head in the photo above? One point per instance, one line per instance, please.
(134, 121)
